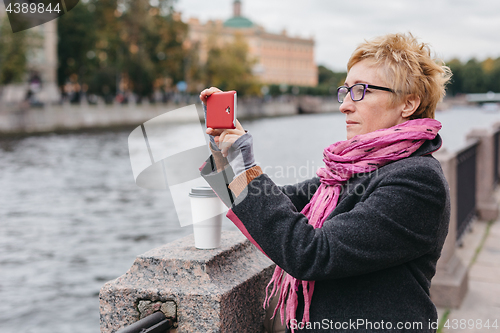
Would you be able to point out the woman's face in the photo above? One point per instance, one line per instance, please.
(374, 111)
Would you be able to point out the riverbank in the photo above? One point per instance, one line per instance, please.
(17, 120)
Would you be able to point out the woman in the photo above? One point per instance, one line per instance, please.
(359, 243)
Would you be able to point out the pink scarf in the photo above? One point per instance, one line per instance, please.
(343, 159)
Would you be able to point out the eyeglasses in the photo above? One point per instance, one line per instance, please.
(357, 91)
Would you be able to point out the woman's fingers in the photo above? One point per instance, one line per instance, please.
(227, 138)
(207, 92)
(213, 131)
(238, 126)
(219, 131)
(226, 142)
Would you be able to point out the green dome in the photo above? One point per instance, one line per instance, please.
(238, 22)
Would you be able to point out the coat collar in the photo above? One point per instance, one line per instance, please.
(429, 146)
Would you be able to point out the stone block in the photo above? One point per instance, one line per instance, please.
(481, 305)
(219, 290)
(450, 284)
(486, 205)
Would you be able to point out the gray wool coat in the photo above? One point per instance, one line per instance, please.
(374, 257)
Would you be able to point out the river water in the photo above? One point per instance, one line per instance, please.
(72, 218)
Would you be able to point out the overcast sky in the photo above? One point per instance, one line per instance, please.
(454, 28)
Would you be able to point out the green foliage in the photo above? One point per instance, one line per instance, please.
(455, 85)
(77, 37)
(229, 68)
(13, 49)
(474, 76)
(329, 77)
(103, 42)
(103, 82)
(329, 81)
(471, 77)
(493, 76)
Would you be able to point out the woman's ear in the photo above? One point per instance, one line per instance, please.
(411, 105)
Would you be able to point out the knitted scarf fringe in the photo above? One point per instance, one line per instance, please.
(343, 159)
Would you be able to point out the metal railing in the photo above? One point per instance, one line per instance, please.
(155, 323)
(466, 187)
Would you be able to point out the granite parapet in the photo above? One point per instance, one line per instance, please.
(219, 290)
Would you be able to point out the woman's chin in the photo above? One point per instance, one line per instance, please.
(351, 133)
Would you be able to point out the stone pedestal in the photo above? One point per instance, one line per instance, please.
(450, 283)
(220, 290)
(487, 207)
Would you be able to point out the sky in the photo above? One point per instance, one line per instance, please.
(460, 29)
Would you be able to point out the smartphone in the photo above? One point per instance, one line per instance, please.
(221, 110)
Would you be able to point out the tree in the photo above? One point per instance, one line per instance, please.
(493, 75)
(329, 77)
(456, 82)
(76, 44)
(473, 77)
(152, 45)
(13, 52)
(328, 80)
(229, 67)
(107, 41)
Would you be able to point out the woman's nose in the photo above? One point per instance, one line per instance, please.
(347, 105)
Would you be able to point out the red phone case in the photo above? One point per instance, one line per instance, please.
(221, 110)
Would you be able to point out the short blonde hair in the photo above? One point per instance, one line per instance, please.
(408, 68)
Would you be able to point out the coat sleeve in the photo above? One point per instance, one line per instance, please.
(300, 194)
(219, 175)
(395, 221)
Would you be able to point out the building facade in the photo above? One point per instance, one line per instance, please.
(281, 59)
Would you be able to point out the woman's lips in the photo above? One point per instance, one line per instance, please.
(350, 123)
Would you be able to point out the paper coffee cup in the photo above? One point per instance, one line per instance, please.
(206, 209)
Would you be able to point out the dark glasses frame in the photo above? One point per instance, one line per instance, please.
(344, 90)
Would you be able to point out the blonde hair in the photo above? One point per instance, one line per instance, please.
(408, 68)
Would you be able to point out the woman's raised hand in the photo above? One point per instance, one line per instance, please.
(224, 138)
(207, 92)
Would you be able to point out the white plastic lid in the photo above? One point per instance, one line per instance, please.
(202, 192)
